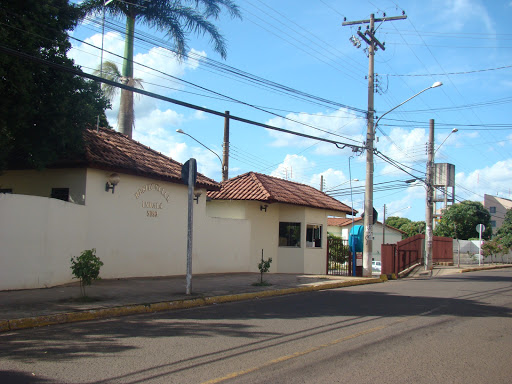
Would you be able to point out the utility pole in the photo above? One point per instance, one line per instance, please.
(321, 183)
(429, 237)
(384, 226)
(225, 150)
(373, 43)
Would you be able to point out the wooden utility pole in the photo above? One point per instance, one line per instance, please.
(384, 226)
(373, 43)
(225, 150)
(429, 237)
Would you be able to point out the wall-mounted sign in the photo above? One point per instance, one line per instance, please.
(152, 207)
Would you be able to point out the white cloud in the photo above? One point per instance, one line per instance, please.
(459, 13)
(493, 180)
(294, 167)
(341, 122)
(406, 147)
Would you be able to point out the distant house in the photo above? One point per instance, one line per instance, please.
(341, 227)
(288, 220)
(497, 207)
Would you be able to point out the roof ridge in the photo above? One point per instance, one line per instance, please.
(255, 176)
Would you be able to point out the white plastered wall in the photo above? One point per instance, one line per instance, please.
(39, 235)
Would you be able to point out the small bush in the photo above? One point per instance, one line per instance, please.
(86, 267)
(264, 266)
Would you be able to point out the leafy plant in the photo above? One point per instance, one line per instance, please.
(86, 267)
(264, 266)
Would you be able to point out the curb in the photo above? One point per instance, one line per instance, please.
(485, 268)
(135, 309)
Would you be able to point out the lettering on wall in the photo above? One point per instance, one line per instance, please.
(151, 207)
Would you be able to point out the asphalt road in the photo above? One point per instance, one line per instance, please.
(454, 329)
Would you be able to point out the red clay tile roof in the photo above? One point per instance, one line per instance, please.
(264, 188)
(341, 222)
(110, 150)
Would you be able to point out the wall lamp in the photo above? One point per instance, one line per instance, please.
(196, 196)
(112, 181)
(263, 207)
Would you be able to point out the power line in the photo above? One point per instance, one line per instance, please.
(76, 72)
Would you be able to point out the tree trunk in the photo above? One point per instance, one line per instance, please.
(126, 117)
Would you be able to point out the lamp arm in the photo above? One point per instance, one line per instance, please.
(402, 103)
(193, 138)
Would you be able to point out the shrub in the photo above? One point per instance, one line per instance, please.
(264, 266)
(86, 267)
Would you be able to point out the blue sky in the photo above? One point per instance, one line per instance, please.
(466, 44)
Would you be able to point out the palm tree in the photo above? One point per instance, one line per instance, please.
(110, 71)
(177, 18)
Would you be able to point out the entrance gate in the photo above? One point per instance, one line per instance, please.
(339, 257)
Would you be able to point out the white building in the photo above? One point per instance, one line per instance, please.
(139, 227)
(381, 234)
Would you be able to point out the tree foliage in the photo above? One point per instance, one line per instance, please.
(86, 267)
(410, 227)
(504, 233)
(460, 221)
(178, 19)
(43, 111)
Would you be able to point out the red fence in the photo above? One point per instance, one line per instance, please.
(395, 258)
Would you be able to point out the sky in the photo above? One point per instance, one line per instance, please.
(291, 64)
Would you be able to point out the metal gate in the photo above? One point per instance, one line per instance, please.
(339, 257)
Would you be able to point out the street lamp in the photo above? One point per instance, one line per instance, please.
(193, 138)
(453, 131)
(368, 203)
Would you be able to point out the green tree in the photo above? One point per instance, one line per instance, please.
(410, 228)
(177, 18)
(504, 233)
(397, 222)
(43, 111)
(460, 221)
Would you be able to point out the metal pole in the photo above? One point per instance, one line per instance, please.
(429, 199)
(480, 245)
(368, 201)
(191, 168)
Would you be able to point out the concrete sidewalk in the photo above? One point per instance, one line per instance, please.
(117, 297)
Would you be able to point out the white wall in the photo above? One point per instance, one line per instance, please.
(315, 259)
(38, 237)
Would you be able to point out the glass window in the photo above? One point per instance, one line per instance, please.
(313, 236)
(492, 209)
(289, 234)
(493, 223)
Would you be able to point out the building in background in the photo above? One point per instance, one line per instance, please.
(338, 226)
(497, 207)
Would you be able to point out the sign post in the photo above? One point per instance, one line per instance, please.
(480, 228)
(189, 175)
